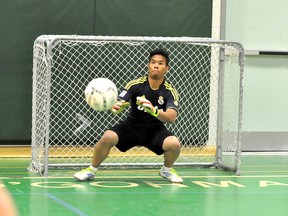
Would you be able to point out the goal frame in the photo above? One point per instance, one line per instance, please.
(50, 40)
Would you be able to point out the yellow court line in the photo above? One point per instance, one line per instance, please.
(252, 176)
(276, 165)
(270, 171)
(144, 171)
(148, 177)
(13, 167)
(128, 176)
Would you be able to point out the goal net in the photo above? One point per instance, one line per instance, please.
(207, 73)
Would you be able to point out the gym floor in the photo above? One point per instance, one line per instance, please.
(261, 189)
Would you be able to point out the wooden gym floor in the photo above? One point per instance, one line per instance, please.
(262, 189)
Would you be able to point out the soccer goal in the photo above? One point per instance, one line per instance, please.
(207, 73)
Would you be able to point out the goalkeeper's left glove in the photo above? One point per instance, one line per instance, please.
(147, 106)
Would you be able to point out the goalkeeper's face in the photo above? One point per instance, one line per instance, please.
(157, 67)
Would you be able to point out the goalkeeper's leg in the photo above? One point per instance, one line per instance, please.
(101, 152)
(103, 147)
(171, 147)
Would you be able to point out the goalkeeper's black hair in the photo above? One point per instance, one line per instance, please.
(160, 52)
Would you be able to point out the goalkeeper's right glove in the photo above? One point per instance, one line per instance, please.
(119, 106)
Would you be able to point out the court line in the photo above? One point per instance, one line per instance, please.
(145, 192)
(147, 177)
(264, 165)
(193, 167)
(145, 171)
(66, 205)
(151, 170)
(263, 171)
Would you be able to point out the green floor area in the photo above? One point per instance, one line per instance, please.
(261, 189)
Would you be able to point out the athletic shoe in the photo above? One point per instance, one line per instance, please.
(85, 174)
(171, 175)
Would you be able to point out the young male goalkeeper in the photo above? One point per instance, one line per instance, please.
(153, 102)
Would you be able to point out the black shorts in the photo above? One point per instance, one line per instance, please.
(136, 134)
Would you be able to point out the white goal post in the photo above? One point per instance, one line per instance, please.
(207, 73)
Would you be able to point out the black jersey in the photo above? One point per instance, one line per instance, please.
(166, 97)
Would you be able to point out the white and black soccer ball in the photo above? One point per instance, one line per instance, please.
(101, 94)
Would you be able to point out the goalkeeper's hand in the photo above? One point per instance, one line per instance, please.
(147, 106)
(119, 106)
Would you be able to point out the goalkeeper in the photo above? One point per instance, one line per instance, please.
(153, 102)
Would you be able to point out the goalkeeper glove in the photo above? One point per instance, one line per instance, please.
(147, 106)
(119, 106)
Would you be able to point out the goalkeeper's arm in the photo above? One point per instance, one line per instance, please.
(119, 106)
(168, 116)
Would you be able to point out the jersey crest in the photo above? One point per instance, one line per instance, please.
(161, 100)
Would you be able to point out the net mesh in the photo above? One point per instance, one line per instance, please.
(206, 73)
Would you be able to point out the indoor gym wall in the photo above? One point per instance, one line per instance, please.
(23, 21)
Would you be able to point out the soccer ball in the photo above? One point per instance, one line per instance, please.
(101, 94)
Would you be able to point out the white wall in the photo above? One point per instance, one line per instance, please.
(262, 25)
